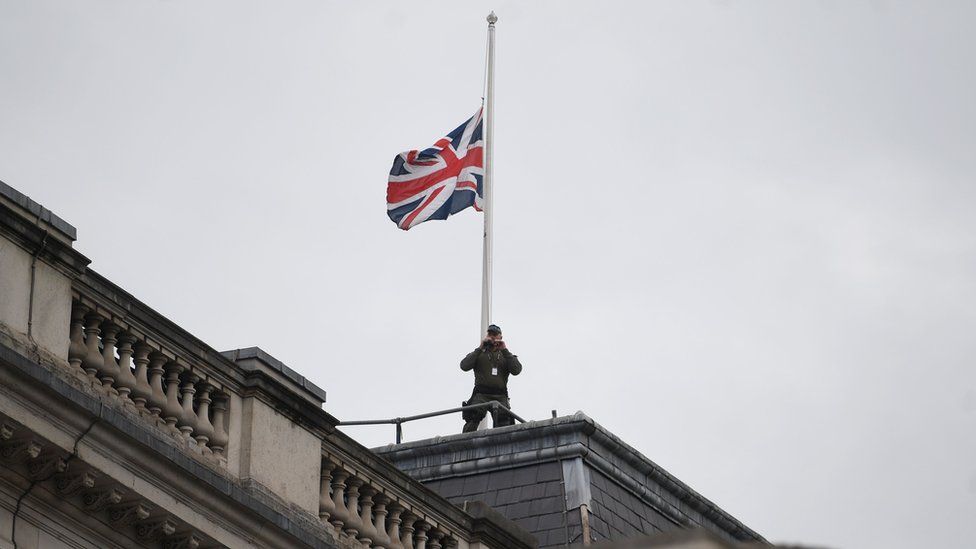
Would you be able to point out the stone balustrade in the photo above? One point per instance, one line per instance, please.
(242, 411)
(134, 368)
(363, 513)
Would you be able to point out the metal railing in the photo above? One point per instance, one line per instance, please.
(493, 406)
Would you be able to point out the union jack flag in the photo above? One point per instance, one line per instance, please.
(439, 181)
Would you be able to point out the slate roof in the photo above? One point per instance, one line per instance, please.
(539, 474)
(530, 496)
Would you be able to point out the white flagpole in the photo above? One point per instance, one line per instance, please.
(488, 179)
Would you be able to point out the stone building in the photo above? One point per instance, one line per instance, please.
(120, 429)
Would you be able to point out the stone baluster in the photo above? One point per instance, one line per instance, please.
(188, 421)
(110, 369)
(420, 538)
(142, 391)
(125, 382)
(380, 502)
(172, 411)
(394, 522)
(77, 349)
(434, 542)
(339, 512)
(157, 396)
(204, 430)
(220, 438)
(92, 362)
(326, 505)
(353, 524)
(407, 528)
(367, 532)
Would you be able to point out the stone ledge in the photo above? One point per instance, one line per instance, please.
(32, 237)
(38, 211)
(243, 358)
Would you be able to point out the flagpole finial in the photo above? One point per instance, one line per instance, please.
(492, 18)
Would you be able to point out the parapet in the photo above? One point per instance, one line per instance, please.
(257, 362)
(45, 218)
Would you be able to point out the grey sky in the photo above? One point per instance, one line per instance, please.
(737, 234)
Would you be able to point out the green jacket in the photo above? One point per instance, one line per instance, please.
(491, 369)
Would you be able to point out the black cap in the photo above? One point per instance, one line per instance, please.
(494, 329)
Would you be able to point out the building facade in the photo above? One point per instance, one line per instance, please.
(119, 429)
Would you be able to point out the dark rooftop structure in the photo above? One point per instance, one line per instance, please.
(566, 480)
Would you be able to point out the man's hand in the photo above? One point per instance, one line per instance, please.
(493, 341)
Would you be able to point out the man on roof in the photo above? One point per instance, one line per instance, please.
(492, 363)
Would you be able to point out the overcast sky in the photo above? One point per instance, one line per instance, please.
(739, 235)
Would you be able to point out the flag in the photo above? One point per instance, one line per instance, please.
(439, 181)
